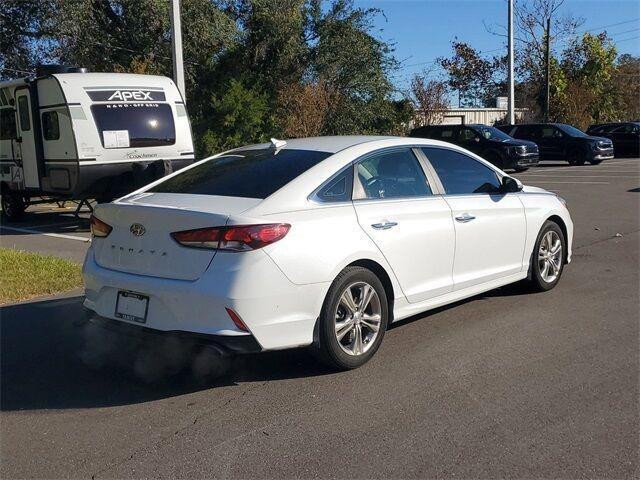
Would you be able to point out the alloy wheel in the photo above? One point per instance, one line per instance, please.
(550, 256)
(358, 317)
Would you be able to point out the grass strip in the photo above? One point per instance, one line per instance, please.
(25, 275)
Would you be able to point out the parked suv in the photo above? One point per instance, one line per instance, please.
(624, 135)
(488, 142)
(559, 141)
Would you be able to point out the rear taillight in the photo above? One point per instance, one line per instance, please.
(99, 228)
(238, 238)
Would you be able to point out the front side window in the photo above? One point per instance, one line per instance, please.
(7, 124)
(551, 132)
(461, 174)
(394, 174)
(23, 113)
(124, 125)
(468, 134)
(50, 126)
(246, 173)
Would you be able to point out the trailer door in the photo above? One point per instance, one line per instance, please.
(26, 150)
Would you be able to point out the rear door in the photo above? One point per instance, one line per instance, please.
(26, 140)
(490, 226)
(411, 226)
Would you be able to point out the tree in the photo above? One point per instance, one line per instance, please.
(430, 98)
(475, 78)
(304, 109)
(626, 80)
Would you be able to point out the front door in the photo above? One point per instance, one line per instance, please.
(489, 225)
(26, 141)
(412, 227)
(551, 142)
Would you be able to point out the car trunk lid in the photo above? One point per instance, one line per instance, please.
(140, 240)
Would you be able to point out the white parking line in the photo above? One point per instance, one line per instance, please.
(56, 235)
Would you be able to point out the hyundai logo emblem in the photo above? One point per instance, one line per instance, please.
(137, 229)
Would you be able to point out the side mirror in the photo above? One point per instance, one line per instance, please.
(510, 185)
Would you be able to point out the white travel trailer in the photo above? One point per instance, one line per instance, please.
(68, 134)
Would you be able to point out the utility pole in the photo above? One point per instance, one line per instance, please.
(511, 99)
(176, 47)
(547, 75)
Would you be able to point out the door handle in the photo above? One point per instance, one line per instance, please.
(464, 218)
(384, 225)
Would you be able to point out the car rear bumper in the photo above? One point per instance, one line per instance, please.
(224, 344)
(278, 313)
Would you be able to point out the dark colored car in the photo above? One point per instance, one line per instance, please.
(624, 135)
(559, 141)
(488, 142)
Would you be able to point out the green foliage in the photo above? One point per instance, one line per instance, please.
(240, 115)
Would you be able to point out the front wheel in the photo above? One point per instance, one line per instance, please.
(521, 169)
(547, 260)
(353, 319)
(595, 162)
(575, 157)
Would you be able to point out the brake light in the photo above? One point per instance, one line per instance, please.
(239, 238)
(98, 227)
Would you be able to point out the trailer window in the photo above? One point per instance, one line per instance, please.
(123, 125)
(7, 124)
(50, 126)
(23, 112)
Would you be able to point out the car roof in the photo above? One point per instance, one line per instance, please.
(330, 144)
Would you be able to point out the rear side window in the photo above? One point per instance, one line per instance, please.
(124, 125)
(7, 124)
(461, 174)
(394, 174)
(246, 173)
(338, 189)
(50, 126)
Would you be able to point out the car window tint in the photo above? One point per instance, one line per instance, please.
(461, 174)
(246, 173)
(550, 132)
(467, 134)
(338, 189)
(393, 174)
(448, 133)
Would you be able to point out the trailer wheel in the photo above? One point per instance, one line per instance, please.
(13, 205)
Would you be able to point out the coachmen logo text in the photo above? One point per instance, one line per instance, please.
(126, 95)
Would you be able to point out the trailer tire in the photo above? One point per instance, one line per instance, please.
(13, 205)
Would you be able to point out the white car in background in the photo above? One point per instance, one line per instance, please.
(318, 242)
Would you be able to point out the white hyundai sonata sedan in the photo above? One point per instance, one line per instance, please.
(319, 242)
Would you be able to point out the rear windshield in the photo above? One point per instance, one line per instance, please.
(124, 125)
(246, 173)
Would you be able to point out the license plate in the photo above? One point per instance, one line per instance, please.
(132, 306)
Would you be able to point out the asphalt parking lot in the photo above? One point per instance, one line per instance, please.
(507, 384)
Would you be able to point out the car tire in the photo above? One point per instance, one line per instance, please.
(13, 206)
(357, 302)
(547, 265)
(575, 157)
(595, 162)
(521, 169)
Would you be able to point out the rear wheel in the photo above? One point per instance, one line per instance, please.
(547, 260)
(353, 320)
(13, 205)
(575, 157)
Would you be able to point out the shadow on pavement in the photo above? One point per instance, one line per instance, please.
(51, 359)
